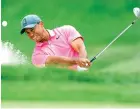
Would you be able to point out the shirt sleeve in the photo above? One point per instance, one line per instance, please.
(39, 59)
(71, 33)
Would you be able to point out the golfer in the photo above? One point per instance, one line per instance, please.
(63, 45)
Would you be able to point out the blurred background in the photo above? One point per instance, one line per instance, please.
(114, 77)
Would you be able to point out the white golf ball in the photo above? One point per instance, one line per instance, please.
(4, 23)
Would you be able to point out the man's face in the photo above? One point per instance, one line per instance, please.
(36, 33)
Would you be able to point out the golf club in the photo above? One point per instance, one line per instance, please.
(137, 14)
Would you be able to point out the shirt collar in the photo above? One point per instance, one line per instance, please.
(51, 33)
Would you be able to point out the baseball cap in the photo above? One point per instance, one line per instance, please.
(29, 21)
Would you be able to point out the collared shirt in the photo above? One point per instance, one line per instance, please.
(59, 44)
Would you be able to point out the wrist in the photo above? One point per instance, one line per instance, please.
(75, 61)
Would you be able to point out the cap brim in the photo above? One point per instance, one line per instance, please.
(28, 26)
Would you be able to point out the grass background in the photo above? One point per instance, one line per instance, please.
(114, 78)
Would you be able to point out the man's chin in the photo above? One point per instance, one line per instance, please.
(41, 41)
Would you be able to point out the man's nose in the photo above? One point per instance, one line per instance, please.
(31, 34)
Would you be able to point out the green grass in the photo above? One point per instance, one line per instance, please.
(63, 85)
(70, 91)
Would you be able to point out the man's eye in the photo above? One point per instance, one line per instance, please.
(32, 29)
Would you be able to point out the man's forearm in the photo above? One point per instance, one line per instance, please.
(60, 60)
(82, 52)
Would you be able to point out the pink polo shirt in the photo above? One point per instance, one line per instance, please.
(59, 44)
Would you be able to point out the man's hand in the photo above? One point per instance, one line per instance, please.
(83, 62)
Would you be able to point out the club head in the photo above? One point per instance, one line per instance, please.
(136, 11)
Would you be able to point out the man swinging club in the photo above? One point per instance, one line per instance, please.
(63, 45)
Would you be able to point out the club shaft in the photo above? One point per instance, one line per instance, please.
(112, 41)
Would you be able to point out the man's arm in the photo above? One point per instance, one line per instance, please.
(66, 61)
(78, 45)
(60, 60)
(41, 59)
(75, 40)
